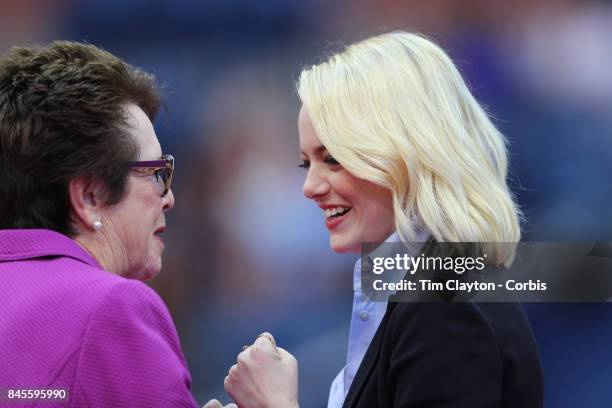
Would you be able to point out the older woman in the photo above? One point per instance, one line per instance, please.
(84, 189)
(397, 149)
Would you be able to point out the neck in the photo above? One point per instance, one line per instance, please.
(101, 249)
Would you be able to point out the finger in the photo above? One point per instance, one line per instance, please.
(283, 352)
(266, 337)
(269, 336)
(213, 403)
(228, 385)
(264, 344)
(232, 405)
(285, 355)
(231, 388)
(243, 357)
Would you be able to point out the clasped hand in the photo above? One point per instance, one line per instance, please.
(264, 376)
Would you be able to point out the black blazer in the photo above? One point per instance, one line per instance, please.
(459, 355)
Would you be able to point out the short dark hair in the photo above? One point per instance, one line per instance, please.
(62, 116)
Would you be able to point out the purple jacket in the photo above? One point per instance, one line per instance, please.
(67, 323)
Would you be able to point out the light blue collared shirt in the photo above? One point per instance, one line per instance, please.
(365, 319)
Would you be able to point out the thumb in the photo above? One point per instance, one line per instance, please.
(263, 344)
(268, 336)
(266, 343)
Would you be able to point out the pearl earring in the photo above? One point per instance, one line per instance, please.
(97, 225)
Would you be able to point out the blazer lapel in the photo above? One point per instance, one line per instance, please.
(371, 357)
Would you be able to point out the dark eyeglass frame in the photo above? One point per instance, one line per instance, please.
(163, 168)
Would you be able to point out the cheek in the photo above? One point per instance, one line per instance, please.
(380, 213)
(348, 187)
(148, 200)
(142, 215)
(377, 210)
(372, 204)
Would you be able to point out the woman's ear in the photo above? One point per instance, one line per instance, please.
(86, 202)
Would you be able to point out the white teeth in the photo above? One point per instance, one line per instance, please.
(334, 211)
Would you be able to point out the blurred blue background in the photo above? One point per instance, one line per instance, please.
(247, 253)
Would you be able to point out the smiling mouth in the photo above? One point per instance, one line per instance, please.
(336, 212)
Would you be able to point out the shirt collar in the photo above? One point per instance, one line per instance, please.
(21, 244)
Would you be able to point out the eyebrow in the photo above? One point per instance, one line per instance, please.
(318, 150)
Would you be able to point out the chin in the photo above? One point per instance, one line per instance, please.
(344, 247)
(153, 272)
(149, 275)
(150, 271)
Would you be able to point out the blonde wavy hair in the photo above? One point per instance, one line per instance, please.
(393, 109)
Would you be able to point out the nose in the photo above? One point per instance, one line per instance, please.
(315, 185)
(168, 201)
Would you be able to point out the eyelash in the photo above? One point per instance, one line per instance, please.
(331, 160)
(157, 174)
(328, 159)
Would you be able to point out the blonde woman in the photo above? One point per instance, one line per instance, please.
(397, 149)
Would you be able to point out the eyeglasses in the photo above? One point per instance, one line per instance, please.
(162, 169)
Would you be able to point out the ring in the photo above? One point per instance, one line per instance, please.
(267, 336)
